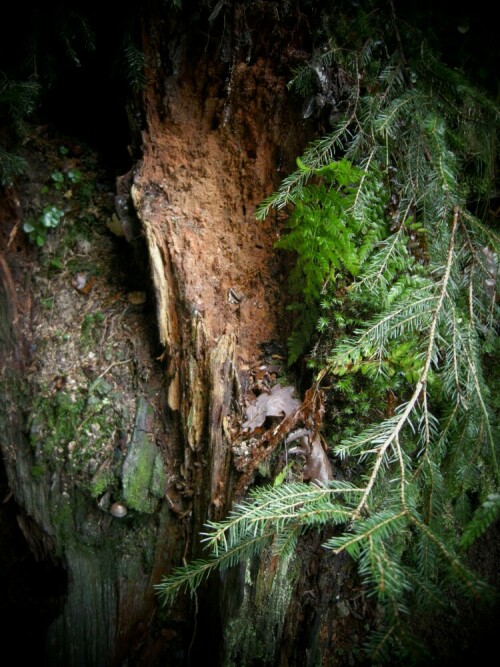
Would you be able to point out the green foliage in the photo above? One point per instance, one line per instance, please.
(37, 229)
(70, 183)
(60, 180)
(11, 166)
(330, 235)
(18, 98)
(395, 285)
(135, 61)
(17, 101)
(485, 515)
(270, 514)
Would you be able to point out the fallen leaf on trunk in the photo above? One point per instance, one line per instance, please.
(278, 403)
(317, 467)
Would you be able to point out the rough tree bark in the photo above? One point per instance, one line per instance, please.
(217, 130)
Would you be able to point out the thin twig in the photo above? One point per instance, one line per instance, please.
(115, 363)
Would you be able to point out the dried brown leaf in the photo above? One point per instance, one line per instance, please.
(279, 403)
(317, 467)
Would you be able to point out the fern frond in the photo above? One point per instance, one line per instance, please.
(319, 154)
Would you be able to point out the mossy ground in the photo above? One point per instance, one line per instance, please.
(85, 373)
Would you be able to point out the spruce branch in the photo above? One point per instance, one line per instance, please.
(278, 505)
(474, 584)
(402, 420)
(190, 576)
(381, 524)
(483, 518)
(319, 154)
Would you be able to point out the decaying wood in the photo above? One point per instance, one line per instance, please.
(309, 415)
(8, 307)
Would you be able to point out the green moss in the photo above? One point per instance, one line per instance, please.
(138, 474)
(37, 471)
(143, 476)
(102, 480)
(159, 478)
(91, 330)
(55, 419)
(72, 431)
(62, 519)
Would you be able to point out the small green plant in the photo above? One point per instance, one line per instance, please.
(334, 226)
(57, 178)
(74, 176)
(52, 215)
(47, 303)
(56, 264)
(37, 229)
(62, 179)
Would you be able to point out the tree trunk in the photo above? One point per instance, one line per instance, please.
(217, 131)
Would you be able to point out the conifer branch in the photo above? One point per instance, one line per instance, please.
(423, 378)
(473, 583)
(486, 514)
(274, 505)
(375, 524)
(190, 576)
